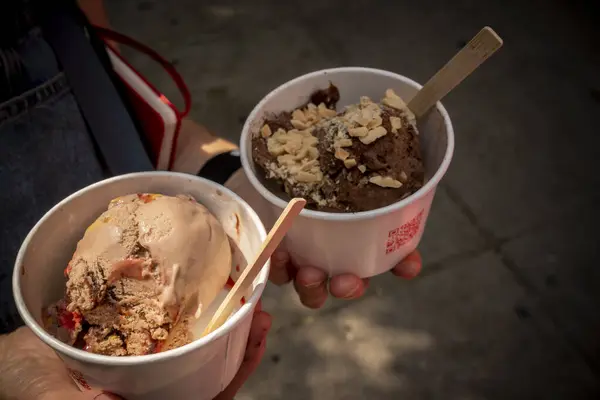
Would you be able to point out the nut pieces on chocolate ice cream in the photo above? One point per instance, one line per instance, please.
(365, 157)
(296, 154)
(385, 181)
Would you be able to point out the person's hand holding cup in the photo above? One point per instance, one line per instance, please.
(31, 370)
(313, 285)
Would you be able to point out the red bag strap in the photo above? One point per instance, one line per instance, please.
(108, 34)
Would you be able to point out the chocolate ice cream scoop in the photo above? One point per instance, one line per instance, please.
(138, 267)
(366, 157)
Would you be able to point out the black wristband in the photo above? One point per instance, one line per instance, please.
(220, 168)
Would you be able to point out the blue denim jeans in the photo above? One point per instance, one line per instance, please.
(46, 154)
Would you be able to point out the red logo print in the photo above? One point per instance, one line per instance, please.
(400, 236)
(79, 379)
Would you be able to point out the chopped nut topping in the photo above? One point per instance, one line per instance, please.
(309, 165)
(391, 99)
(266, 131)
(307, 177)
(326, 112)
(347, 124)
(360, 116)
(358, 132)
(396, 124)
(362, 121)
(299, 124)
(362, 168)
(276, 141)
(311, 108)
(311, 113)
(367, 114)
(304, 118)
(394, 102)
(375, 122)
(373, 135)
(286, 159)
(296, 154)
(343, 142)
(313, 153)
(341, 154)
(385, 181)
(349, 163)
(299, 115)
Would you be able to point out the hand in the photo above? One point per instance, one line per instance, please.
(31, 370)
(257, 344)
(312, 283)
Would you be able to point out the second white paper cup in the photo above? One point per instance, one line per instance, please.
(199, 370)
(365, 243)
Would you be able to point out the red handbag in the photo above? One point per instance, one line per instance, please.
(158, 118)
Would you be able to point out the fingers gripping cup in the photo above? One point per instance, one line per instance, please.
(379, 226)
(197, 370)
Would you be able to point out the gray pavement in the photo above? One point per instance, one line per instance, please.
(508, 304)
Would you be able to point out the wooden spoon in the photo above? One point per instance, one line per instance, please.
(479, 49)
(242, 285)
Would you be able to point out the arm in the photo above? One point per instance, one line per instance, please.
(196, 145)
(96, 13)
(31, 370)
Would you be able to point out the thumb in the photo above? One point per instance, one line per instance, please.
(410, 267)
(261, 324)
(31, 370)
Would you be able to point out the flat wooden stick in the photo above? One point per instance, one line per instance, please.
(274, 237)
(479, 49)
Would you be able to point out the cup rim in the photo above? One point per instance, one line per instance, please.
(91, 358)
(247, 161)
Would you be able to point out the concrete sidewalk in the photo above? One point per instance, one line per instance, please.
(507, 307)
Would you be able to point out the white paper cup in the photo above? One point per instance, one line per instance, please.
(364, 243)
(199, 370)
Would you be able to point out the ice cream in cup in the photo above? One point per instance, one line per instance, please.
(345, 140)
(147, 258)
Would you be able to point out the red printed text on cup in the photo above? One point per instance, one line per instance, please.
(400, 236)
